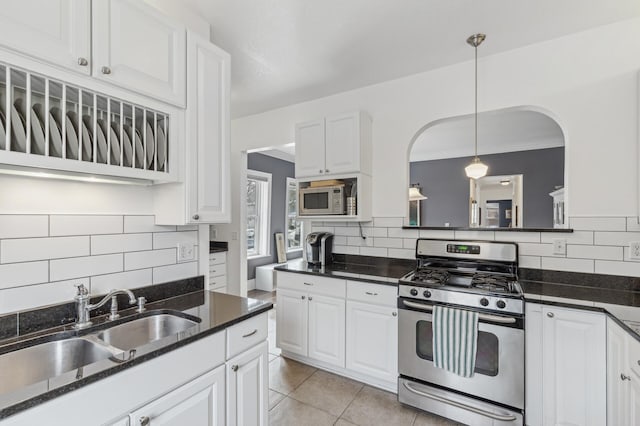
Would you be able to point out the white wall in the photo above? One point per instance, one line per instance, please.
(586, 81)
(178, 10)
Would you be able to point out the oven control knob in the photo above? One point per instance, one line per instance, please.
(501, 304)
(426, 294)
(484, 301)
(414, 292)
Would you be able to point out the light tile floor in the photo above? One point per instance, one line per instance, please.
(301, 395)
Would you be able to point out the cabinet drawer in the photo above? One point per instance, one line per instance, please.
(248, 333)
(312, 284)
(218, 270)
(217, 258)
(219, 281)
(379, 294)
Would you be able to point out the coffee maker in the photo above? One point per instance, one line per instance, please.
(319, 248)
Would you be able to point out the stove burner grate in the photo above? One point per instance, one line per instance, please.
(431, 276)
(494, 283)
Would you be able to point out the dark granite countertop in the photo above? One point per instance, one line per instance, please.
(616, 296)
(385, 271)
(216, 312)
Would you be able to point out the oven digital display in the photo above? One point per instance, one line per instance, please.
(463, 249)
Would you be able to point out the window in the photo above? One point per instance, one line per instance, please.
(258, 213)
(294, 226)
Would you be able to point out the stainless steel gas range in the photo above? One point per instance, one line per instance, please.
(471, 275)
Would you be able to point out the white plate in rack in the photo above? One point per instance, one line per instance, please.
(19, 139)
(87, 142)
(71, 120)
(115, 143)
(162, 148)
(37, 129)
(55, 132)
(151, 143)
(3, 133)
(128, 148)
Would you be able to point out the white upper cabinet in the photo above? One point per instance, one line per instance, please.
(140, 49)
(56, 31)
(334, 145)
(208, 130)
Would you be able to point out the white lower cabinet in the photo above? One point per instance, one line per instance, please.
(565, 367)
(199, 402)
(248, 387)
(623, 377)
(291, 321)
(372, 340)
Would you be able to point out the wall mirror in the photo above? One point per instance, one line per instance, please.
(524, 186)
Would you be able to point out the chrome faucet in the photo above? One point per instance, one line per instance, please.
(83, 307)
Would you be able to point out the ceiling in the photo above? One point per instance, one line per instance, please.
(288, 51)
(498, 131)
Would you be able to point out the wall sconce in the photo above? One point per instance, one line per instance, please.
(415, 194)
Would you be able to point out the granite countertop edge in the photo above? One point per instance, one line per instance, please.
(54, 393)
(329, 274)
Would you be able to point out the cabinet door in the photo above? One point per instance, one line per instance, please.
(248, 389)
(574, 367)
(200, 402)
(327, 329)
(372, 340)
(57, 31)
(342, 143)
(633, 398)
(208, 147)
(291, 321)
(137, 47)
(310, 149)
(617, 392)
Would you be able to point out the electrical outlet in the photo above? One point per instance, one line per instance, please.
(186, 252)
(559, 246)
(234, 236)
(634, 250)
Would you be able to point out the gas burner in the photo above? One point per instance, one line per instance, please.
(493, 283)
(431, 276)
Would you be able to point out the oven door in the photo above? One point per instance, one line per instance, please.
(499, 370)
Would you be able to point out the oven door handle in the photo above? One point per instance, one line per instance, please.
(499, 417)
(485, 317)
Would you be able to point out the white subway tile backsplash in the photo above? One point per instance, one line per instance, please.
(436, 233)
(633, 224)
(475, 235)
(402, 233)
(533, 262)
(29, 249)
(172, 239)
(616, 238)
(567, 264)
(576, 237)
(102, 284)
(374, 232)
(140, 224)
(76, 267)
(360, 242)
(19, 274)
(346, 249)
(388, 222)
(373, 251)
(118, 243)
(24, 226)
(409, 243)
(595, 252)
(174, 272)
(617, 268)
(61, 225)
(390, 243)
(149, 259)
(402, 253)
(331, 229)
(535, 249)
(344, 231)
(518, 237)
(22, 298)
(339, 240)
(598, 223)
(626, 255)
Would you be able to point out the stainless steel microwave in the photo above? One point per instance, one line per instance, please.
(324, 200)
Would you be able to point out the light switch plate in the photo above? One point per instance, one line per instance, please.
(634, 250)
(559, 246)
(186, 252)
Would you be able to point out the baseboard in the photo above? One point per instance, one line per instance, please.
(251, 284)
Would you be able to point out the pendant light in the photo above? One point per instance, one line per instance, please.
(476, 169)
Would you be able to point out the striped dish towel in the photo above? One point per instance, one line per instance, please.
(455, 337)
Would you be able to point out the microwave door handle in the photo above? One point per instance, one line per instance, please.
(485, 317)
(495, 416)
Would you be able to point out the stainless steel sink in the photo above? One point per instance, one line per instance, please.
(141, 331)
(40, 362)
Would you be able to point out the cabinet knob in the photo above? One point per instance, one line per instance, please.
(624, 377)
(550, 314)
(303, 297)
(395, 314)
(145, 421)
(234, 367)
(105, 70)
(320, 171)
(196, 216)
(83, 62)
(310, 298)
(326, 170)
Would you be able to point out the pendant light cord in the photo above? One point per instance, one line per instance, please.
(476, 100)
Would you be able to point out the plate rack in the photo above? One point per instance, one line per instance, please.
(51, 124)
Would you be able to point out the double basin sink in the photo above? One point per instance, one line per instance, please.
(22, 367)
